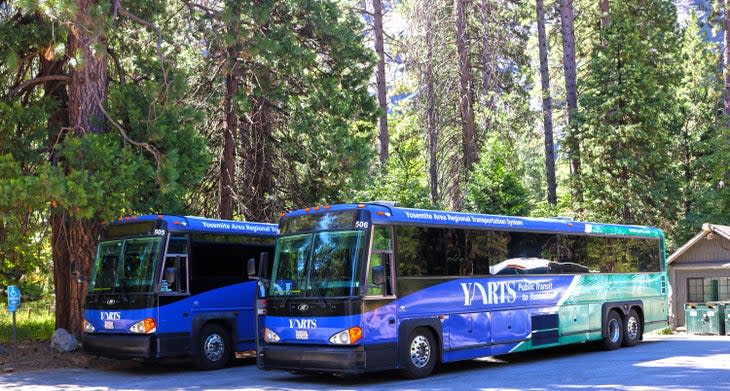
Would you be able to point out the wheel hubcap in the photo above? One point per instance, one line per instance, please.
(214, 347)
(420, 351)
(632, 328)
(614, 330)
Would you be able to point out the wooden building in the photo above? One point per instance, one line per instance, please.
(699, 271)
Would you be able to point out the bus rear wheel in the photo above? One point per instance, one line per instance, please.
(632, 329)
(613, 332)
(214, 347)
(420, 354)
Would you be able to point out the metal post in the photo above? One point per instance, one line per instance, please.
(15, 336)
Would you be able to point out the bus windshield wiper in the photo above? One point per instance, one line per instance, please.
(314, 279)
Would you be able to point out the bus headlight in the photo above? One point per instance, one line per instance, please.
(347, 337)
(88, 328)
(146, 326)
(270, 336)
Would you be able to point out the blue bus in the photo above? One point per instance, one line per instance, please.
(367, 287)
(165, 286)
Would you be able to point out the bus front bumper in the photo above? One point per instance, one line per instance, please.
(301, 358)
(121, 345)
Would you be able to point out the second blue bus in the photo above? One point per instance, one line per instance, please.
(167, 286)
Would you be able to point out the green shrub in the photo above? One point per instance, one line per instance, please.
(34, 321)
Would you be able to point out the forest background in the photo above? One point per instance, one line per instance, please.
(603, 110)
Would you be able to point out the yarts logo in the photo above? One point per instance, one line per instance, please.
(500, 292)
(303, 323)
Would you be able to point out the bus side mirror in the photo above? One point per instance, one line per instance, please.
(264, 265)
(378, 275)
(251, 267)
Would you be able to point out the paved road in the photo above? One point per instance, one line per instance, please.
(659, 363)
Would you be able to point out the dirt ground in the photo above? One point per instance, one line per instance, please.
(38, 355)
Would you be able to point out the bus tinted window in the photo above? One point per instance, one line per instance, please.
(615, 254)
(431, 252)
(453, 252)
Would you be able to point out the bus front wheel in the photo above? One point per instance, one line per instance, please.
(420, 354)
(613, 332)
(632, 329)
(214, 347)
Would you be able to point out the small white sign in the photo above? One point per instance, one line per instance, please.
(108, 324)
(302, 334)
(710, 313)
(693, 313)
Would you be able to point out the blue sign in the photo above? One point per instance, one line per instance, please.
(13, 298)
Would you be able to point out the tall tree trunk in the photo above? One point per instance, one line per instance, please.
(432, 128)
(228, 155)
(487, 60)
(571, 92)
(73, 239)
(726, 55)
(258, 170)
(547, 115)
(603, 8)
(466, 87)
(380, 80)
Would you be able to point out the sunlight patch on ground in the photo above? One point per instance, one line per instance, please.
(715, 361)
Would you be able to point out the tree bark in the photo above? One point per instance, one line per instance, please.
(432, 129)
(466, 88)
(73, 239)
(603, 7)
(547, 115)
(257, 162)
(230, 128)
(487, 59)
(571, 92)
(88, 87)
(726, 56)
(380, 80)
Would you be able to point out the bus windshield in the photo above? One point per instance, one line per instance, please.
(319, 264)
(126, 266)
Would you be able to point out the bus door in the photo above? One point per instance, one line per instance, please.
(380, 329)
(173, 320)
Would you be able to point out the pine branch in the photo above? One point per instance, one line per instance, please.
(38, 80)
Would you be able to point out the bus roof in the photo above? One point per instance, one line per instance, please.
(202, 224)
(384, 213)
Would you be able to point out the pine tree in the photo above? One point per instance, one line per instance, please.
(630, 115)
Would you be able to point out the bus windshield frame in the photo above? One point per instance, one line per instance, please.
(129, 265)
(321, 255)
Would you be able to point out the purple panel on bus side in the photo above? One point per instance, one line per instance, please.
(485, 294)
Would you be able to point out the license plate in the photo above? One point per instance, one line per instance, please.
(302, 334)
(108, 324)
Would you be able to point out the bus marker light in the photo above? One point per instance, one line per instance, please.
(317, 208)
(355, 334)
(327, 206)
(360, 206)
(307, 209)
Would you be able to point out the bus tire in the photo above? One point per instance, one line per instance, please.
(632, 329)
(420, 354)
(214, 347)
(613, 332)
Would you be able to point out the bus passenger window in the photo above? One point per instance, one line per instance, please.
(174, 275)
(381, 255)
